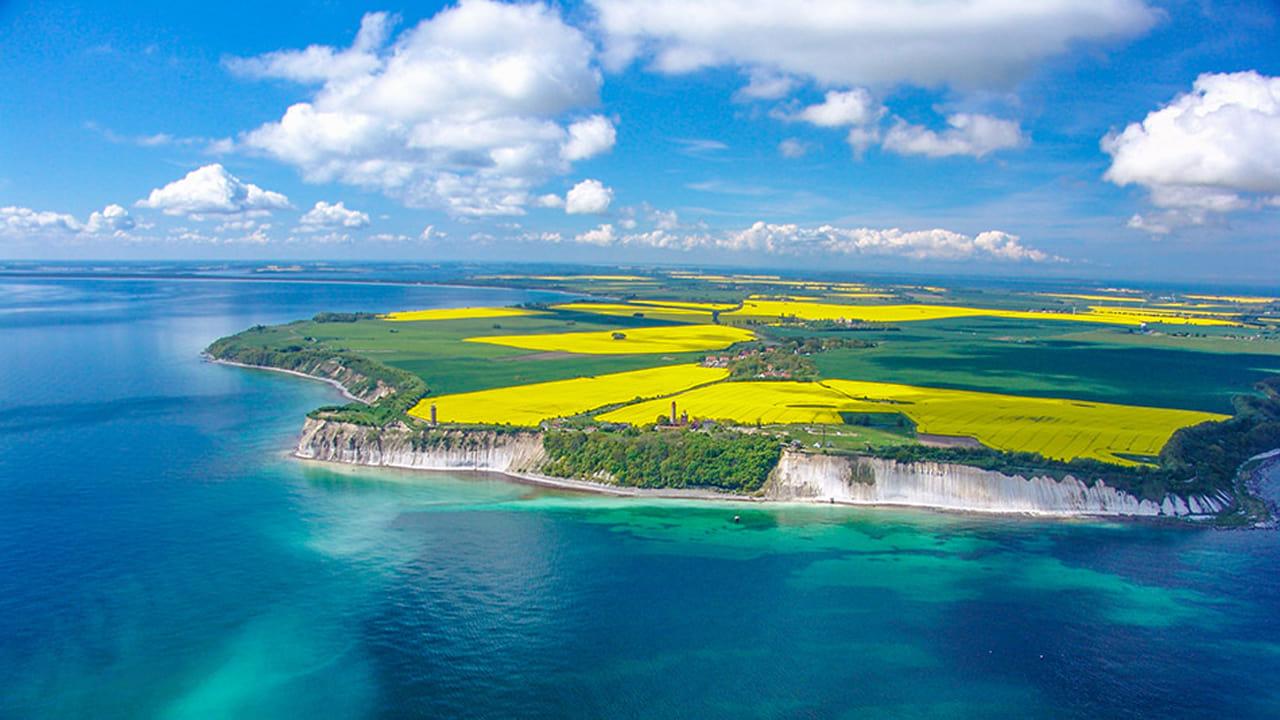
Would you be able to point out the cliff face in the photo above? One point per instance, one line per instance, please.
(333, 369)
(874, 481)
(403, 448)
(797, 477)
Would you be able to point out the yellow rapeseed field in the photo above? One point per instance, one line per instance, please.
(469, 313)
(700, 306)
(1056, 428)
(529, 405)
(744, 403)
(628, 309)
(645, 340)
(1096, 298)
(866, 295)
(648, 307)
(1241, 299)
(897, 313)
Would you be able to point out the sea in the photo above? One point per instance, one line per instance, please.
(163, 556)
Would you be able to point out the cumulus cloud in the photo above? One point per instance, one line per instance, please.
(829, 240)
(112, 218)
(847, 43)
(211, 190)
(550, 200)
(603, 235)
(336, 215)
(588, 138)
(20, 221)
(589, 197)
(1213, 150)
(967, 134)
(462, 112)
(841, 108)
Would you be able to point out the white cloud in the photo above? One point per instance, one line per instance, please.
(550, 200)
(602, 235)
(589, 197)
(1215, 149)
(396, 238)
(664, 219)
(320, 63)
(336, 215)
(211, 190)
(861, 138)
(845, 43)
(112, 218)
(968, 134)
(19, 222)
(1153, 225)
(765, 85)
(793, 148)
(588, 138)
(827, 240)
(841, 108)
(461, 112)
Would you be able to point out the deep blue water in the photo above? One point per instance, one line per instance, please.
(161, 556)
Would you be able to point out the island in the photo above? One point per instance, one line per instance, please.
(1073, 400)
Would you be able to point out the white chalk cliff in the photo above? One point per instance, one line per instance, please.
(799, 476)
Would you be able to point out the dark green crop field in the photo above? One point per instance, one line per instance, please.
(436, 351)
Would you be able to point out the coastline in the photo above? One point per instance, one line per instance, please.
(1263, 482)
(557, 483)
(701, 495)
(523, 475)
(340, 387)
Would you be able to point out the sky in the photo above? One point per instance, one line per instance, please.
(1077, 138)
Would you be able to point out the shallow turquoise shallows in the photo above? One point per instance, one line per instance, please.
(161, 556)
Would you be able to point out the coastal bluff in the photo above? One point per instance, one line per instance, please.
(398, 446)
(861, 480)
(798, 476)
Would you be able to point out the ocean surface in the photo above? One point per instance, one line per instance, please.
(161, 556)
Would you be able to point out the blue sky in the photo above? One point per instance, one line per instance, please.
(1109, 138)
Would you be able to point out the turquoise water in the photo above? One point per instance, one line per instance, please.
(161, 556)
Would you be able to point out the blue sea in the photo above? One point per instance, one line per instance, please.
(161, 556)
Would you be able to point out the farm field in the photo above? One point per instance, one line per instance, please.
(466, 313)
(629, 341)
(1056, 428)
(637, 308)
(899, 313)
(1104, 364)
(437, 352)
(529, 405)
(748, 403)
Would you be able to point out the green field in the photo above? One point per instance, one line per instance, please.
(437, 351)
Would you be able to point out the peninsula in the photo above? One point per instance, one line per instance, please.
(1070, 401)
